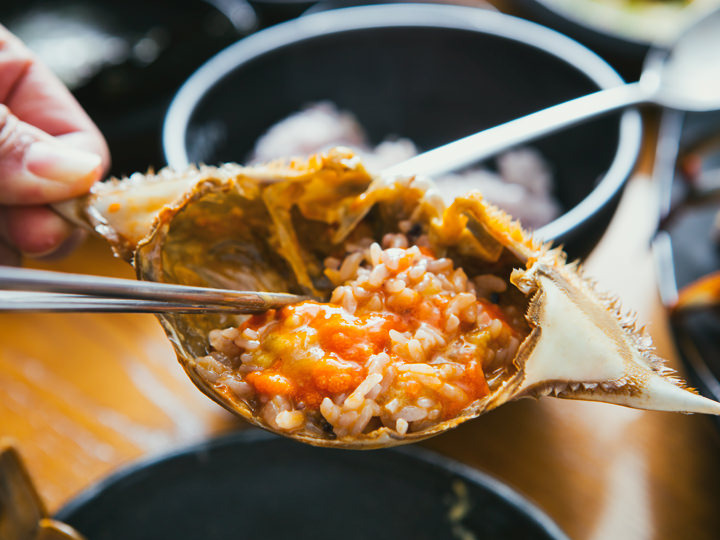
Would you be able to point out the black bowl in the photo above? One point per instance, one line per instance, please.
(428, 72)
(255, 485)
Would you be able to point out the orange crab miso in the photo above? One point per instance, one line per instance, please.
(404, 342)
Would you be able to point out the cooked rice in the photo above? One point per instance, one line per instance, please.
(404, 342)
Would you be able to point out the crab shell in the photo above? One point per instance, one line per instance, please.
(269, 228)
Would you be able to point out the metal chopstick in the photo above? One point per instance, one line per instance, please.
(69, 303)
(96, 293)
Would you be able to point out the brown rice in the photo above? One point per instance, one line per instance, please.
(404, 342)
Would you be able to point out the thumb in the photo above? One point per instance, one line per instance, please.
(36, 168)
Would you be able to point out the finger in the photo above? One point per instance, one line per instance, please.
(37, 97)
(36, 231)
(36, 168)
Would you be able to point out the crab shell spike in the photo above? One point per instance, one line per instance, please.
(580, 345)
(579, 350)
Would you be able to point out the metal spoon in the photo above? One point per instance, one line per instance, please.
(685, 77)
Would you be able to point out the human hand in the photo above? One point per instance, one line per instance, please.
(50, 150)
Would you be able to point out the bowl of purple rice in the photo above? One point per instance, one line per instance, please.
(393, 80)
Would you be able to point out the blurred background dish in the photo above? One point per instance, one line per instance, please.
(124, 60)
(687, 247)
(255, 485)
(622, 31)
(429, 73)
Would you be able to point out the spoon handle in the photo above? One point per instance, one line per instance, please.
(494, 140)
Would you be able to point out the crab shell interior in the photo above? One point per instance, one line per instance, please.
(270, 228)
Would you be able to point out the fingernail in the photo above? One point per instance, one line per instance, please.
(60, 163)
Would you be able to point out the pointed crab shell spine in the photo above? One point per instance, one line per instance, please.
(580, 350)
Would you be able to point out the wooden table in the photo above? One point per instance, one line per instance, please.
(85, 394)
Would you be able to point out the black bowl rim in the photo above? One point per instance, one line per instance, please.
(254, 436)
(421, 15)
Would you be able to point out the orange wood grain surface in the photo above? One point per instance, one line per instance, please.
(84, 394)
